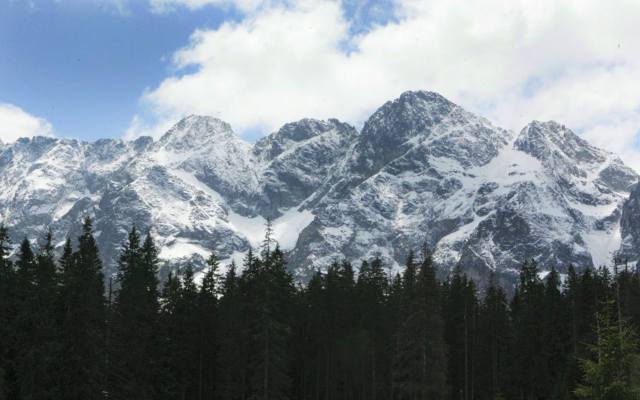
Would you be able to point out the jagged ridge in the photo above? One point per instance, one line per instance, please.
(421, 169)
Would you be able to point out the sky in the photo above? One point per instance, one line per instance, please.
(92, 69)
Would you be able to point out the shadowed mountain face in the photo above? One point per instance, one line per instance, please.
(421, 170)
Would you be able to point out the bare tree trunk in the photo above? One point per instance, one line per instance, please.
(466, 354)
(200, 375)
(373, 374)
(473, 347)
(107, 337)
(266, 366)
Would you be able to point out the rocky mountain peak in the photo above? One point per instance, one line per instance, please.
(418, 128)
(304, 129)
(422, 169)
(424, 97)
(408, 115)
(294, 133)
(195, 131)
(551, 140)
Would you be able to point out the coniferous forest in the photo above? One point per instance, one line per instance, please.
(68, 333)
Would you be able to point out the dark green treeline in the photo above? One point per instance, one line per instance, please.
(252, 334)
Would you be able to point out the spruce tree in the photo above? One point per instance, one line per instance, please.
(232, 337)
(341, 316)
(556, 336)
(434, 345)
(49, 342)
(494, 343)
(589, 298)
(307, 343)
(82, 371)
(36, 328)
(609, 371)
(572, 291)
(269, 290)
(407, 336)
(460, 309)
(530, 374)
(134, 345)
(169, 330)
(256, 336)
(187, 361)
(420, 357)
(207, 331)
(24, 325)
(371, 289)
(7, 312)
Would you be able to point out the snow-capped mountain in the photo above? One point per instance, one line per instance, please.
(422, 169)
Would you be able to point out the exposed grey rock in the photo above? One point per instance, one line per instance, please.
(630, 227)
(297, 159)
(422, 169)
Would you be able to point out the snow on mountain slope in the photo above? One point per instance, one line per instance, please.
(424, 169)
(297, 159)
(421, 170)
(198, 188)
(403, 181)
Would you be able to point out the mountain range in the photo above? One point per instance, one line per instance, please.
(421, 170)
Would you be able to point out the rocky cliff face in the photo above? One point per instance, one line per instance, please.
(422, 169)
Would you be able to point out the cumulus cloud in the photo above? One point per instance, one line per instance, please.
(16, 123)
(141, 127)
(573, 61)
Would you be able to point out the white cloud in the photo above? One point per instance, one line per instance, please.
(573, 61)
(164, 6)
(119, 6)
(16, 123)
(139, 127)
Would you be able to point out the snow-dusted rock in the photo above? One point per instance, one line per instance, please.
(422, 169)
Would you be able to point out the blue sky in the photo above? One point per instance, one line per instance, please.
(123, 68)
(82, 65)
